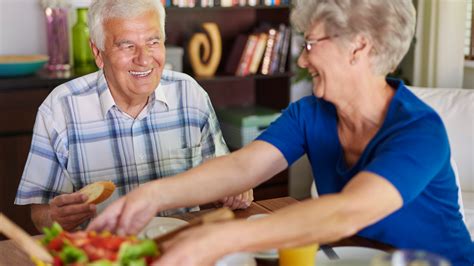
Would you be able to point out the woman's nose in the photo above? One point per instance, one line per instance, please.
(302, 60)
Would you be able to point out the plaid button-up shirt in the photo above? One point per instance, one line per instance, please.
(81, 136)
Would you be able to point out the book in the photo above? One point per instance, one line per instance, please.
(258, 54)
(276, 52)
(226, 3)
(245, 59)
(235, 54)
(265, 70)
(284, 50)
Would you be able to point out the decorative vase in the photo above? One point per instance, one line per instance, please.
(57, 38)
(83, 58)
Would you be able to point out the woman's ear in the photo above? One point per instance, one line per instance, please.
(360, 47)
(97, 55)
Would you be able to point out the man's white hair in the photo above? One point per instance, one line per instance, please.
(102, 10)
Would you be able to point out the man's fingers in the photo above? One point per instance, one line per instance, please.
(229, 201)
(237, 202)
(240, 201)
(75, 209)
(248, 198)
(77, 219)
(68, 199)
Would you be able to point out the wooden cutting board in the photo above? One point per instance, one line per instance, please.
(23, 240)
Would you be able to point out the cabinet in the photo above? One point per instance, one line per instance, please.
(21, 97)
(18, 109)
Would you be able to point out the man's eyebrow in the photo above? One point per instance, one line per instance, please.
(157, 37)
(120, 42)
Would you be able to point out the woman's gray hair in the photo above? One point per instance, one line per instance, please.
(102, 10)
(389, 24)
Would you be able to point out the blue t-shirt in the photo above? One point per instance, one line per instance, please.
(411, 150)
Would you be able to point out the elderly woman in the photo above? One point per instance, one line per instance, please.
(380, 156)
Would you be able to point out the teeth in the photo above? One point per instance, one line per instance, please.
(314, 75)
(140, 73)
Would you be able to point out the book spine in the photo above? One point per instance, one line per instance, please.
(268, 52)
(258, 54)
(275, 58)
(285, 50)
(244, 65)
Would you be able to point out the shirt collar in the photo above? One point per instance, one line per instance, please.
(107, 101)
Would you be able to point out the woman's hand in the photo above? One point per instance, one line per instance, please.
(199, 246)
(129, 214)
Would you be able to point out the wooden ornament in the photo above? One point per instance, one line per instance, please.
(210, 43)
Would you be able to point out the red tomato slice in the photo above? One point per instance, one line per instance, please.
(57, 261)
(113, 243)
(56, 244)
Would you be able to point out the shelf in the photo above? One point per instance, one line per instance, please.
(226, 78)
(220, 8)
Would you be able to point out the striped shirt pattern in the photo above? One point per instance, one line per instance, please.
(80, 136)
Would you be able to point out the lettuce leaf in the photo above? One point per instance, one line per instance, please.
(71, 254)
(51, 233)
(130, 254)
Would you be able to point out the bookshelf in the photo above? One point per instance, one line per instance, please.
(230, 90)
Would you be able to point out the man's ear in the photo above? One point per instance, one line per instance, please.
(97, 55)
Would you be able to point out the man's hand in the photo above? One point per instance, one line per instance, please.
(241, 201)
(70, 210)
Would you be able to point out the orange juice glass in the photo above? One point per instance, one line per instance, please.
(301, 256)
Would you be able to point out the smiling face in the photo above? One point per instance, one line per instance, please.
(327, 63)
(133, 57)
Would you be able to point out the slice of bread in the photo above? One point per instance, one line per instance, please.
(97, 192)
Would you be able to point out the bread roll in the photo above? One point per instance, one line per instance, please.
(97, 192)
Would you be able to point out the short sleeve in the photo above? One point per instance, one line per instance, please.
(212, 140)
(412, 157)
(287, 133)
(44, 175)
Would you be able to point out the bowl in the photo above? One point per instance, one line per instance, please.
(21, 65)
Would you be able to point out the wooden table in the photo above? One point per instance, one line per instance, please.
(11, 255)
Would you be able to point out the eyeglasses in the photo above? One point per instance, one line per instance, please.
(308, 44)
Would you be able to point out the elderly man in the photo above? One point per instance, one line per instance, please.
(130, 122)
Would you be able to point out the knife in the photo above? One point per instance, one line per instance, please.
(329, 252)
(23, 240)
(219, 215)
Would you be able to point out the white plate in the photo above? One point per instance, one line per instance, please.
(237, 259)
(349, 256)
(265, 254)
(160, 225)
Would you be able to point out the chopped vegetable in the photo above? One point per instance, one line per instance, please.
(71, 254)
(102, 263)
(137, 262)
(97, 248)
(51, 233)
(131, 252)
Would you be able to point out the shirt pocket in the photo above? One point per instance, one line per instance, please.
(181, 160)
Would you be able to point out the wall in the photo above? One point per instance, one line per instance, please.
(22, 27)
(439, 49)
(468, 81)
